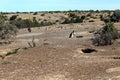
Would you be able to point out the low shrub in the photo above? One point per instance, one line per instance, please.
(6, 62)
(73, 19)
(42, 14)
(7, 31)
(35, 13)
(13, 52)
(106, 35)
(116, 16)
(13, 17)
(91, 21)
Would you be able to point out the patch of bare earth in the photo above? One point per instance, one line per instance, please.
(57, 63)
(61, 58)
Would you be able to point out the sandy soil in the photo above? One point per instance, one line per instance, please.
(58, 57)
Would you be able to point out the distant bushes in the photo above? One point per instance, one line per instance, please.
(13, 17)
(73, 18)
(45, 23)
(35, 13)
(42, 14)
(106, 19)
(116, 16)
(26, 23)
(21, 23)
(106, 35)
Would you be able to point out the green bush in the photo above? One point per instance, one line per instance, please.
(73, 18)
(105, 18)
(2, 19)
(35, 23)
(29, 23)
(7, 31)
(6, 62)
(23, 23)
(110, 28)
(106, 35)
(35, 13)
(72, 15)
(45, 23)
(13, 52)
(19, 23)
(89, 15)
(83, 17)
(116, 16)
(13, 17)
(42, 14)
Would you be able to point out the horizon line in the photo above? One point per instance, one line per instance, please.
(62, 10)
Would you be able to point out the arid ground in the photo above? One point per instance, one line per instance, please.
(58, 57)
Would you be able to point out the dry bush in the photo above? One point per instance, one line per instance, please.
(13, 17)
(106, 35)
(32, 43)
(35, 13)
(73, 18)
(116, 16)
(7, 31)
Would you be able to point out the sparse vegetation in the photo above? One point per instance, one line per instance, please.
(106, 35)
(116, 16)
(91, 21)
(2, 19)
(45, 43)
(13, 52)
(32, 43)
(25, 23)
(25, 48)
(35, 13)
(7, 30)
(44, 49)
(13, 17)
(42, 14)
(6, 62)
(105, 18)
(73, 18)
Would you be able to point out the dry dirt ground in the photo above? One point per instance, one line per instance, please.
(58, 57)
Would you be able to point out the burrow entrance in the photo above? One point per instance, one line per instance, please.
(88, 50)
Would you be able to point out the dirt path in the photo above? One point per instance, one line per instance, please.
(28, 35)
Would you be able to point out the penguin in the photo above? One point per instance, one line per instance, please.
(71, 34)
